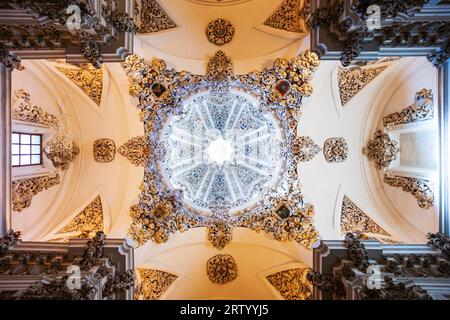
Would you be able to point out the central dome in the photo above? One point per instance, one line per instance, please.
(222, 151)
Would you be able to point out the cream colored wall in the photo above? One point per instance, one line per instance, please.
(256, 256)
(325, 184)
(115, 118)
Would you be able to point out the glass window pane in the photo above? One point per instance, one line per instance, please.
(15, 149)
(36, 149)
(25, 160)
(25, 149)
(36, 159)
(15, 160)
(36, 139)
(24, 138)
(15, 138)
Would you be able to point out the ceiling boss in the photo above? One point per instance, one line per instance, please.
(222, 150)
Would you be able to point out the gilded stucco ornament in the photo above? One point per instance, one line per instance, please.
(150, 17)
(352, 80)
(220, 32)
(90, 219)
(382, 149)
(291, 16)
(61, 151)
(136, 150)
(24, 190)
(88, 79)
(292, 284)
(152, 283)
(162, 210)
(104, 150)
(221, 269)
(304, 148)
(26, 111)
(335, 150)
(422, 190)
(356, 221)
(421, 110)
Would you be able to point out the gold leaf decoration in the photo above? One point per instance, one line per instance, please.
(88, 220)
(153, 284)
(354, 220)
(137, 150)
(353, 80)
(90, 80)
(292, 284)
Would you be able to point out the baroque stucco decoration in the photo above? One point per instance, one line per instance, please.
(161, 210)
(421, 110)
(292, 284)
(61, 151)
(221, 269)
(153, 284)
(421, 189)
(88, 79)
(104, 150)
(352, 80)
(23, 190)
(382, 150)
(150, 17)
(335, 150)
(305, 148)
(26, 111)
(136, 150)
(356, 221)
(291, 16)
(220, 32)
(90, 219)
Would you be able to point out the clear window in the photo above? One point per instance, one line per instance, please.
(26, 149)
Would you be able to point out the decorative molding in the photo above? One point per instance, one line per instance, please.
(292, 284)
(421, 110)
(104, 150)
(88, 79)
(220, 67)
(220, 233)
(93, 251)
(104, 33)
(421, 189)
(305, 149)
(61, 151)
(153, 284)
(352, 80)
(8, 240)
(220, 32)
(24, 190)
(136, 150)
(439, 242)
(335, 150)
(161, 92)
(102, 277)
(221, 269)
(326, 283)
(87, 221)
(395, 291)
(357, 252)
(119, 282)
(382, 150)
(291, 16)
(150, 17)
(29, 112)
(342, 29)
(354, 220)
(10, 61)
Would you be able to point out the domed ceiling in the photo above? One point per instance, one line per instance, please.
(224, 141)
